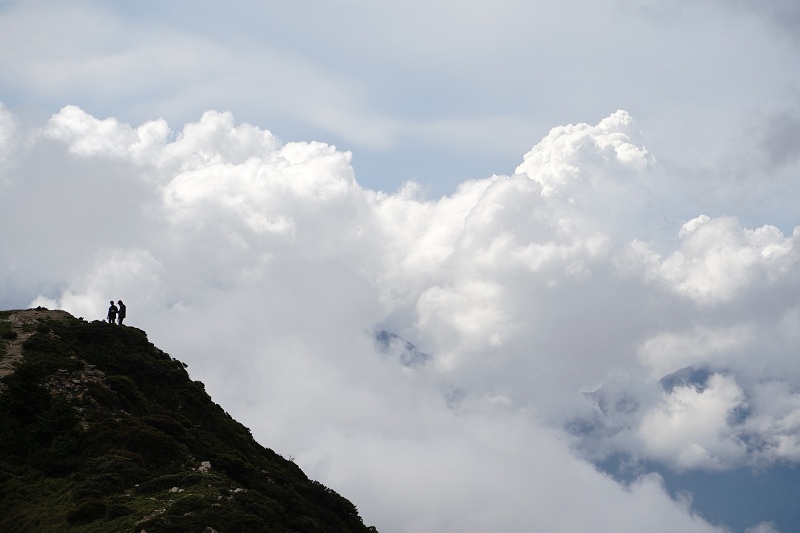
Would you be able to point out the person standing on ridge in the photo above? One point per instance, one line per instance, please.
(112, 313)
(121, 315)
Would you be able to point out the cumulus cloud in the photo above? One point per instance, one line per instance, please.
(591, 173)
(548, 305)
(718, 259)
(690, 428)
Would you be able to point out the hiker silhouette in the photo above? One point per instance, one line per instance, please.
(121, 315)
(112, 312)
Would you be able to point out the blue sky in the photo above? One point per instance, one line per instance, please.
(562, 203)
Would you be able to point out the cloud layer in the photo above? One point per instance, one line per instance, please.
(559, 306)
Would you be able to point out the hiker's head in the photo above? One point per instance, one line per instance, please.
(111, 302)
(119, 302)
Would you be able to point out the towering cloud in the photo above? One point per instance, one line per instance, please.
(564, 315)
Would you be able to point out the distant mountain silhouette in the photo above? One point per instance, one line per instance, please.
(691, 376)
(100, 431)
(406, 353)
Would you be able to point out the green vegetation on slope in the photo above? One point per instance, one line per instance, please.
(100, 431)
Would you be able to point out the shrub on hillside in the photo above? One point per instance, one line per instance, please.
(87, 510)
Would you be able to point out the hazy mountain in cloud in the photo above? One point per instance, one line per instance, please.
(555, 300)
(694, 377)
(395, 346)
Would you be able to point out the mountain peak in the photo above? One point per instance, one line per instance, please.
(102, 431)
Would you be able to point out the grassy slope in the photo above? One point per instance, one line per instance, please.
(97, 425)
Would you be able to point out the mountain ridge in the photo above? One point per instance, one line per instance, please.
(102, 431)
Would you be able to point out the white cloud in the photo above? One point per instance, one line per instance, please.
(560, 161)
(669, 352)
(763, 527)
(121, 271)
(690, 428)
(591, 173)
(718, 259)
(88, 136)
(775, 423)
(267, 267)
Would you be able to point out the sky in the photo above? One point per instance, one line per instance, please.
(508, 266)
